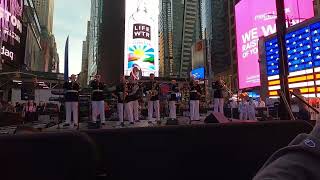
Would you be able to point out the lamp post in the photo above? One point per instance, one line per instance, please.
(283, 61)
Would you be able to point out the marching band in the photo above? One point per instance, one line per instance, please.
(128, 93)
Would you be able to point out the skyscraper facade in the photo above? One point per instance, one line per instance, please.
(317, 7)
(190, 33)
(178, 30)
(215, 29)
(48, 60)
(106, 40)
(93, 37)
(32, 59)
(171, 24)
(85, 59)
(45, 9)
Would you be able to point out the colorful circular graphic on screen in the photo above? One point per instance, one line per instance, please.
(141, 53)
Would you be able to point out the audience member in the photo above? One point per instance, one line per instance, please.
(10, 108)
(300, 160)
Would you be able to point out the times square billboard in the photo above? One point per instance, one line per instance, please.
(12, 32)
(303, 47)
(141, 37)
(255, 19)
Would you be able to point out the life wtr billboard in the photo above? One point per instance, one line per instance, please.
(255, 19)
(141, 37)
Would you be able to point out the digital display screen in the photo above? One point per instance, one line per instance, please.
(141, 37)
(253, 95)
(12, 31)
(303, 47)
(198, 73)
(255, 19)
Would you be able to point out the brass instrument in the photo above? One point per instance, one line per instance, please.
(74, 83)
(124, 94)
(224, 86)
(153, 92)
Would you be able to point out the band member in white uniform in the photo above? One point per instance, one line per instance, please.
(152, 90)
(195, 95)
(134, 77)
(243, 109)
(121, 94)
(174, 89)
(130, 101)
(137, 97)
(252, 110)
(72, 101)
(98, 100)
(218, 97)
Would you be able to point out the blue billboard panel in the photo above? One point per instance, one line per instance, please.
(198, 73)
(303, 47)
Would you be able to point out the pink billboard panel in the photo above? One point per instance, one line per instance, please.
(255, 19)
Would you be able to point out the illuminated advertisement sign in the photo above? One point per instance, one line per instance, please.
(141, 41)
(303, 46)
(198, 54)
(198, 73)
(11, 29)
(255, 19)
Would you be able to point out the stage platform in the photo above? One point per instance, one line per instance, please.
(116, 125)
(182, 121)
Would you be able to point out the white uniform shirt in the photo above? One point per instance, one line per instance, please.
(243, 107)
(251, 107)
(262, 104)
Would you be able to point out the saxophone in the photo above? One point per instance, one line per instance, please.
(154, 91)
(125, 91)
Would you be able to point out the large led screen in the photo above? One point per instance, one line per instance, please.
(303, 46)
(198, 73)
(141, 36)
(12, 32)
(255, 19)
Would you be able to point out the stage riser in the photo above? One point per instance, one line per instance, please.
(218, 152)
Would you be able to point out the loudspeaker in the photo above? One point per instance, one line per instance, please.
(92, 125)
(172, 122)
(26, 130)
(216, 118)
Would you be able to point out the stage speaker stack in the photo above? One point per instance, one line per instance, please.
(215, 118)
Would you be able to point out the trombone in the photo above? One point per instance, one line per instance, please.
(224, 86)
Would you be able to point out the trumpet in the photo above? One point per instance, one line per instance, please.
(224, 86)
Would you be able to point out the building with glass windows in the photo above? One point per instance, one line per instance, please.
(179, 29)
(218, 30)
(93, 37)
